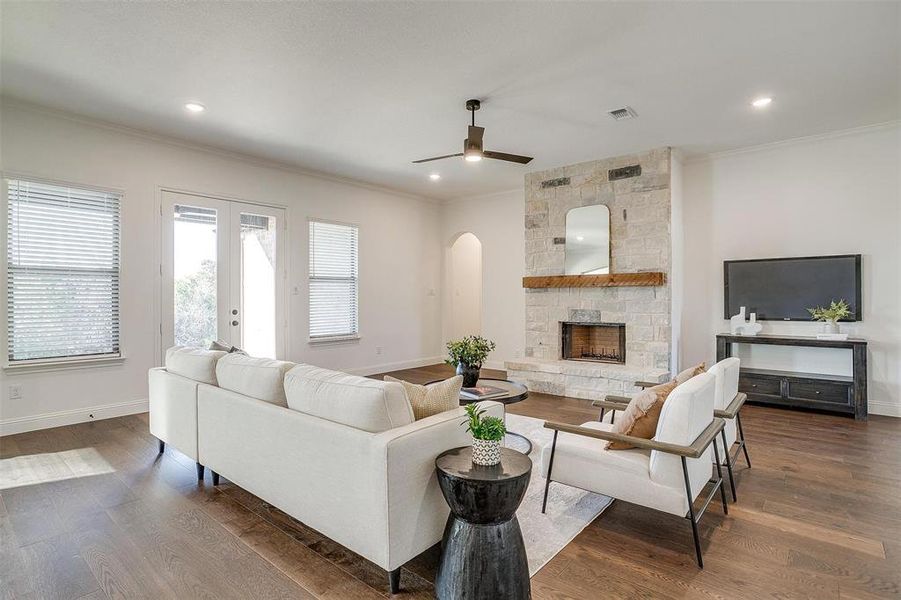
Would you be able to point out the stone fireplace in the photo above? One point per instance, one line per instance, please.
(562, 356)
(594, 342)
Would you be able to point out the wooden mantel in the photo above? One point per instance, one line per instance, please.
(580, 281)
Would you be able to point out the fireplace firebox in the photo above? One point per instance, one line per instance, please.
(596, 342)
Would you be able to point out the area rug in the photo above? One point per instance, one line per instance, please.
(569, 510)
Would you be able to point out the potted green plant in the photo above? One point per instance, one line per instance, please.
(487, 434)
(468, 355)
(831, 316)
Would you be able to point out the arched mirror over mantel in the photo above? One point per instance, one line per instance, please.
(588, 241)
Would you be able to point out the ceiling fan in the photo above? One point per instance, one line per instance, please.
(472, 145)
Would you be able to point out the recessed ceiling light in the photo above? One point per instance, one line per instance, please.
(434, 176)
(580, 238)
(761, 102)
(195, 107)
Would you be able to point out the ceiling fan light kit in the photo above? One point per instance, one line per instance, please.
(472, 145)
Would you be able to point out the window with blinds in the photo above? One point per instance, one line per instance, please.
(62, 278)
(333, 281)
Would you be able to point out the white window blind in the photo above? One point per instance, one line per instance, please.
(62, 278)
(333, 280)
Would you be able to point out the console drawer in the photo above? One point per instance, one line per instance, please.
(820, 391)
(759, 385)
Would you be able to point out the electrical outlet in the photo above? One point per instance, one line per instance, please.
(378, 350)
(15, 392)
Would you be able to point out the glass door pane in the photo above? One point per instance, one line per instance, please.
(258, 284)
(195, 266)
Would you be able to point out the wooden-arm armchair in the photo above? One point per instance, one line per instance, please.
(666, 473)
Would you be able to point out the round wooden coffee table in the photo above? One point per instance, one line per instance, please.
(516, 392)
(483, 555)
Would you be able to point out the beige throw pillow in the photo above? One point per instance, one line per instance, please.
(428, 400)
(641, 415)
(690, 372)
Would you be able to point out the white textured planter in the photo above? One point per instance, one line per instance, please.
(486, 452)
(830, 327)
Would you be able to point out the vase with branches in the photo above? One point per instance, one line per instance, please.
(831, 315)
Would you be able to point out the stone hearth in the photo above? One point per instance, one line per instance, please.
(640, 236)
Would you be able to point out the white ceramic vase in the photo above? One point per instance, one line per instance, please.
(486, 452)
(830, 327)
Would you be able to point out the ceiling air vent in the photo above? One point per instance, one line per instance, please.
(621, 114)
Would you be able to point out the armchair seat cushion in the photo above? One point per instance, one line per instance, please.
(582, 462)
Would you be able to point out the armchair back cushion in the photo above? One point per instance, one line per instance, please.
(686, 413)
(260, 378)
(726, 373)
(359, 402)
(194, 363)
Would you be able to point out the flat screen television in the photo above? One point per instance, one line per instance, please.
(781, 289)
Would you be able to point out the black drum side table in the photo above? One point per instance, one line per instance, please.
(483, 556)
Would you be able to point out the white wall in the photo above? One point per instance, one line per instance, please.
(465, 286)
(498, 221)
(836, 194)
(399, 256)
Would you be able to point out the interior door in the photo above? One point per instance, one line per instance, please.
(223, 274)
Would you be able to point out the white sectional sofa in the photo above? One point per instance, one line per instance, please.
(338, 452)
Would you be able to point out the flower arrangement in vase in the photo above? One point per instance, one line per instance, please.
(487, 434)
(468, 355)
(831, 316)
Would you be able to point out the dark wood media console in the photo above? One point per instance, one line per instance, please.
(803, 390)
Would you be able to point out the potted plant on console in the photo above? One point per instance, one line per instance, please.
(831, 316)
(468, 355)
(487, 433)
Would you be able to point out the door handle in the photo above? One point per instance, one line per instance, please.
(235, 322)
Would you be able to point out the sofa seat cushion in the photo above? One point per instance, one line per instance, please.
(351, 400)
(194, 363)
(260, 378)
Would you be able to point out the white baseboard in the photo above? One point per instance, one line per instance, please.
(884, 408)
(71, 417)
(396, 366)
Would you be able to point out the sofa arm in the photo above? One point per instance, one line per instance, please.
(417, 511)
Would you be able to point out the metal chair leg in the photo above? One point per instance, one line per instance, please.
(691, 515)
(162, 446)
(719, 473)
(200, 469)
(728, 465)
(550, 467)
(741, 435)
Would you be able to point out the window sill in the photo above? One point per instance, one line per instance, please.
(62, 364)
(327, 341)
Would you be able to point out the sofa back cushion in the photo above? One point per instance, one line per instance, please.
(358, 402)
(260, 378)
(194, 363)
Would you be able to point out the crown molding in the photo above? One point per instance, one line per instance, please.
(250, 159)
(839, 133)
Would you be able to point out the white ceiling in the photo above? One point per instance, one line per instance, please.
(361, 89)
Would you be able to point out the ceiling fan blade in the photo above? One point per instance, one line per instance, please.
(523, 160)
(437, 158)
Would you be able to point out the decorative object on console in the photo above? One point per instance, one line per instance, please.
(830, 317)
(468, 355)
(738, 325)
(432, 399)
(487, 434)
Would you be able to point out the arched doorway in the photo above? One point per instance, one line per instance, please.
(464, 313)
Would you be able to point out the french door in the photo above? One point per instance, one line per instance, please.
(223, 274)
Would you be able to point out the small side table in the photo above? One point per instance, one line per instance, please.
(483, 556)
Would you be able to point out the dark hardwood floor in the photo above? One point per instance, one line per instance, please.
(99, 514)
